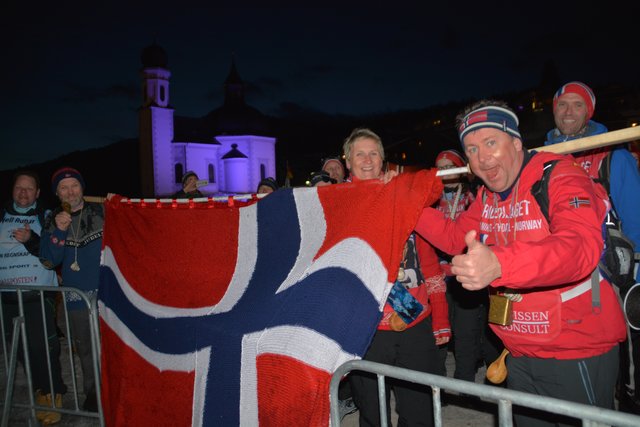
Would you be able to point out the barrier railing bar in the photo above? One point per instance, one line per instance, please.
(11, 372)
(46, 347)
(72, 366)
(505, 413)
(495, 394)
(11, 356)
(437, 407)
(93, 319)
(25, 352)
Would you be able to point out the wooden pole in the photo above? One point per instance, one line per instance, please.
(582, 144)
(94, 199)
(592, 142)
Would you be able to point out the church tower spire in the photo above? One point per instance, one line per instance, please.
(233, 86)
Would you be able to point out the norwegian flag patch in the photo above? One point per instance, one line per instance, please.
(576, 202)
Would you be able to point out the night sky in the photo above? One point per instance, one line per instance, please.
(71, 70)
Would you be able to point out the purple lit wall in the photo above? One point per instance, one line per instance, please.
(236, 178)
(203, 159)
(162, 134)
(261, 155)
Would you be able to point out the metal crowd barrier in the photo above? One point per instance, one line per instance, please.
(591, 416)
(14, 393)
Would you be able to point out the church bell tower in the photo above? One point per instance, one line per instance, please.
(155, 123)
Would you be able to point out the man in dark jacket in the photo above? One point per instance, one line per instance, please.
(189, 187)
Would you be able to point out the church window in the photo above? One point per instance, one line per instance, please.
(263, 171)
(162, 93)
(179, 170)
(212, 174)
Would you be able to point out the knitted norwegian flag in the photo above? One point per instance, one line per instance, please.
(224, 315)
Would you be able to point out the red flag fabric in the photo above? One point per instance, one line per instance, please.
(214, 315)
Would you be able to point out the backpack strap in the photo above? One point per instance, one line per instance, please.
(540, 191)
(604, 172)
(595, 290)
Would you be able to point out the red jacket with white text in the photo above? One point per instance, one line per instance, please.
(549, 265)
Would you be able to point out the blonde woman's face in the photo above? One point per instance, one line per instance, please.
(365, 160)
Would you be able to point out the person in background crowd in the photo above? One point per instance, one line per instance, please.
(72, 239)
(540, 271)
(320, 178)
(333, 166)
(267, 185)
(189, 187)
(22, 220)
(472, 339)
(573, 108)
(411, 346)
(456, 195)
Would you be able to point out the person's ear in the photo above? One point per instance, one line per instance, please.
(517, 142)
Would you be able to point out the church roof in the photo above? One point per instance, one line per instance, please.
(154, 56)
(235, 116)
(234, 153)
(237, 120)
(190, 129)
(234, 76)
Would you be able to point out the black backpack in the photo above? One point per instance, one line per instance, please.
(617, 261)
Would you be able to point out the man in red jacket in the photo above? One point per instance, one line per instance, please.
(561, 343)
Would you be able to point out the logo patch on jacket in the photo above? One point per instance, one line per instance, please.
(576, 202)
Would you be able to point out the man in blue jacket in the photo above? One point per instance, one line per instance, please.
(573, 107)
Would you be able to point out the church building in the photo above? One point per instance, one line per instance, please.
(231, 147)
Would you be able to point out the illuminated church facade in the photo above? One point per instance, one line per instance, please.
(230, 147)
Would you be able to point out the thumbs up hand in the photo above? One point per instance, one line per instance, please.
(478, 267)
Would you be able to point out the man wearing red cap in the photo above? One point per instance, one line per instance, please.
(573, 107)
(72, 239)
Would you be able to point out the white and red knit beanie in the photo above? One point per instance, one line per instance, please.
(580, 89)
(453, 156)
